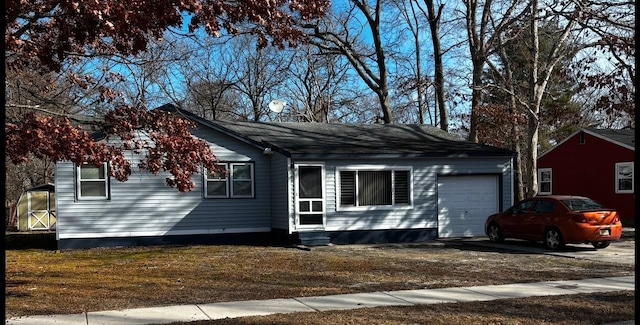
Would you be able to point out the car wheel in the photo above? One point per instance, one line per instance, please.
(495, 234)
(553, 239)
(600, 244)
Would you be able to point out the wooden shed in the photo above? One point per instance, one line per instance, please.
(37, 208)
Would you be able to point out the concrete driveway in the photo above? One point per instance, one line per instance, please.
(622, 251)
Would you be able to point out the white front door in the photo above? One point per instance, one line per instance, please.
(309, 194)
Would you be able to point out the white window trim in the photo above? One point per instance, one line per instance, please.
(393, 206)
(232, 180)
(229, 181)
(624, 164)
(207, 180)
(106, 182)
(540, 171)
(297, 198)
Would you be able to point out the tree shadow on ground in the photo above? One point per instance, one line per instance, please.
(19, 241)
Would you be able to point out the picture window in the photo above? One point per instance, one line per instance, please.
(365, 188)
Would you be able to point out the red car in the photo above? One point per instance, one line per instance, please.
(556, 220)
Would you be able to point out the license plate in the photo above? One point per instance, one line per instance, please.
(605, 232)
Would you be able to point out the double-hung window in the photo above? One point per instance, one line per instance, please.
(232, 180)
(624, 177)
(545, 181)
(92, 182)
(217, 183)
(374, 188)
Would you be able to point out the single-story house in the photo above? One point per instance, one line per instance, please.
(308, 183)
(36, 208)
(597, 163)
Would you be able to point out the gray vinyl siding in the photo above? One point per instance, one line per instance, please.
(280, 218)
(423, 213)
(146, 206)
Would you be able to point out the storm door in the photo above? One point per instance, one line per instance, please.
(310, 205)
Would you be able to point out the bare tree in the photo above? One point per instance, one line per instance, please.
(318, 85)
(414, 86)
(209, 79)
(257, 74)
(414, 13)
(147, 79)
(345, 35)
(435, 18)
(484, 22)
(540, 65)
(211, 99)
(233, 78)
(606, 67)
(541, 71)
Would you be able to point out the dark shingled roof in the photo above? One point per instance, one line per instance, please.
(348, 140)
(624, 136)
(48, 187)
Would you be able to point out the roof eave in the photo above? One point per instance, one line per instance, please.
(600, 136)
(590, 133)
(262, 145)
(316, 156)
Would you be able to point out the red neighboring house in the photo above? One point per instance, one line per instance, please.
(597, 163)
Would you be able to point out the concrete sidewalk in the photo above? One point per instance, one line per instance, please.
(187, 313)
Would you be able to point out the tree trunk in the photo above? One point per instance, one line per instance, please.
(518, 177)
(534, 106)
(385, 104)
(476, 98)
(532, 164)
(420, 86)
(434, 24)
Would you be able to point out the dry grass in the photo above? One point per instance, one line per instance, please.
(579, 309)
(45, 282)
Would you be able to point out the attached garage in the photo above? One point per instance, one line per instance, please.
(464, 203)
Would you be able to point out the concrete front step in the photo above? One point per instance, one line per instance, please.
(314, 238)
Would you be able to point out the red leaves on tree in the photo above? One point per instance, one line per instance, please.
(170, 147)
(55, 138)
(45, 35)
(50, 31)
(497, 122)
(174, 149)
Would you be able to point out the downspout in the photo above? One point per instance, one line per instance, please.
(290, 195)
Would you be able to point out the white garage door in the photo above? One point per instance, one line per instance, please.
(464, 203)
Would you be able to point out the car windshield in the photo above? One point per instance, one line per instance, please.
(576, 204)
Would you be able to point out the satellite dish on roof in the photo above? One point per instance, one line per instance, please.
(277, 105)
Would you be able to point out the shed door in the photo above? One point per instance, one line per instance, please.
(464, 203)
(39, 211)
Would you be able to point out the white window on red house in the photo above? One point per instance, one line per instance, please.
(545, 181)
(624, 177)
